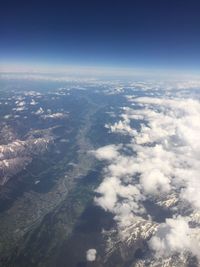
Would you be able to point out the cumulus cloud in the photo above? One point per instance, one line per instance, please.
(111, 189)
(109, 152)
(167, 144)
(122, 127)
(91, 254)
(165, 161)
(174, 236)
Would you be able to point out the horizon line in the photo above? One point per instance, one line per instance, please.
(95, 70)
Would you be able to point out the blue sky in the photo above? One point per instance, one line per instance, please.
(151, 34)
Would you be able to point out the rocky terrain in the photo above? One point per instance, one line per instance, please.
(17, 154)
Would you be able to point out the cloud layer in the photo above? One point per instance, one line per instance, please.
(162, 160)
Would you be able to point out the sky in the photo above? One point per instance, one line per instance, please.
(151, 34)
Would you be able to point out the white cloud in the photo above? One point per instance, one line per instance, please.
(111, 189)
(174, 236)
(155, 182)
(122, 127)
(165, 161)
(21, 103)
(39, 111)
(91, 254)
(107, 152)
(57, 115)
(33, 102)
